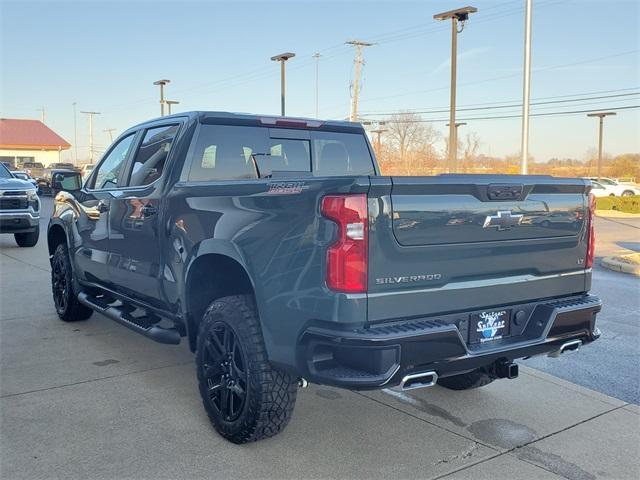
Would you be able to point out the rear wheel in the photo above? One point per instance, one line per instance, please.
(29, 239)
(65, 298)
(466, 381)
(246, 399)
(628, 193)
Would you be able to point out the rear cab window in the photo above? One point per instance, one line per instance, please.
(223, 152)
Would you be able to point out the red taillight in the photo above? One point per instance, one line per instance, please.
(591, 239)
(347, 257)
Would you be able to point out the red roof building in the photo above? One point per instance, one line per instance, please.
(17, 134)
(28, 141)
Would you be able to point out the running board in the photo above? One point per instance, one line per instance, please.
(170, 336)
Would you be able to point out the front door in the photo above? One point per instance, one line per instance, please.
(92, 243)
(134, 219)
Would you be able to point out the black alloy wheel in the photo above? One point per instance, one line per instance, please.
(225, 371)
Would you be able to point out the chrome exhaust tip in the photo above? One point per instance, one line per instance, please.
(417, 380)
(572, 346)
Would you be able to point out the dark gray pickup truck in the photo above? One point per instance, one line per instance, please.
(276, 248)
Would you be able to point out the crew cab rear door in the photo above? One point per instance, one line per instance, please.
(461, 242)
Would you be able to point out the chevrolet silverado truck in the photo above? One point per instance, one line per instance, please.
(282, 256)
(19, 209)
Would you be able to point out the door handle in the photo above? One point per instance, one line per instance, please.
(149, 210)
(102, 207)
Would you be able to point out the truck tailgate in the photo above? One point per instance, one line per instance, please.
(462, 242)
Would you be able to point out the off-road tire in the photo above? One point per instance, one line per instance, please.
(270, 394)
(65, 298)
(29, 239)
(466, 381)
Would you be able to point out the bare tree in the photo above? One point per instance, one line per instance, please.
(412, 140)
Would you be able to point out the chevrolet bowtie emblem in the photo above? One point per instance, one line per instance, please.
(502, 220)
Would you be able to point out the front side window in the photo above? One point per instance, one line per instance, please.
(109, 169)
(152, 155)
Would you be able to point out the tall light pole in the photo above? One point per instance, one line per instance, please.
(358, 62)
(162, 83)
(459, 15)
(526, 89)
(75, 133)
(317, 57)
(90, 117)
(601, 116)
(169, 103)
(282, 58)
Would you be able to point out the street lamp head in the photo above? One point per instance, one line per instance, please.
(461, 14)
(171, 102)
(600, 114)
(283, 57)
(161, 82)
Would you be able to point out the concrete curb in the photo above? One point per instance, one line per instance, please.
(612, 264)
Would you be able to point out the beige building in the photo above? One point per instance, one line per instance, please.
(29, 141)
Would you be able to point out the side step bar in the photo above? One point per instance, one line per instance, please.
(161, 335)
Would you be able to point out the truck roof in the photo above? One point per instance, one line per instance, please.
(231, 118)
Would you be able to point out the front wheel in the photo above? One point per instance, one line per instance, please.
(246, 399)
(65, 298)
(29, 239)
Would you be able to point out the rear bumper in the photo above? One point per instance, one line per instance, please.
(19, 221)
(380, 356)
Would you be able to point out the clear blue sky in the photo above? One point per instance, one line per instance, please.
(106, 55)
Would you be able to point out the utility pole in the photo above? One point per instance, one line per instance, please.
(162, 83)
(41, 110)
(358, 62)
(459, 15)
(379, 131)
(90, 117)
(600, 116)
(169, 103)
(282, 58)
(110, 132)
(317, 57)
(526, 89)
(75, 134)
(457, 125)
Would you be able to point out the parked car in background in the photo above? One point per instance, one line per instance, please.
(19, 209)
(62, 166)
(25, 176)
(607, 187)
(35, 169)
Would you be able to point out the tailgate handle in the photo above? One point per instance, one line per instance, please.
(504, 191)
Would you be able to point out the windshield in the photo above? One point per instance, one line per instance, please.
(4, 173)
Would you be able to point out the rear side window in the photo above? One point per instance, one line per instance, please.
(151, 157)
(228, 153)
(238, 152)
(336, 154)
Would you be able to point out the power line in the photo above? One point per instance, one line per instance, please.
(546, 114)
(514, 105)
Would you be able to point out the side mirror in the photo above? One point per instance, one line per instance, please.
(67, 181)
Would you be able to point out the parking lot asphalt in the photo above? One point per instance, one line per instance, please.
(93, 400)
